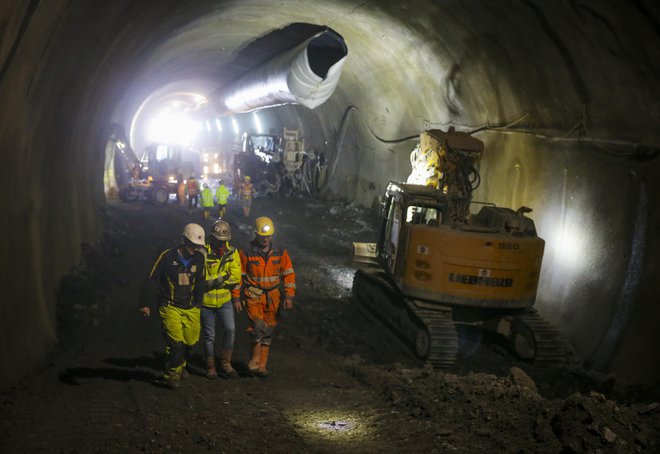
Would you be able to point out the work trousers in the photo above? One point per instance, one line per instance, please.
(262, 312)
(225, 314)
(181, 331)
(192, 200)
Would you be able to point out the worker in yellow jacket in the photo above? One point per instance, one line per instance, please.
(223, 273)
(221, 196)
(207, 201)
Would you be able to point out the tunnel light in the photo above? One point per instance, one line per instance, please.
(218, 124)
(257, 123)
(234, 124)
(172, 128)
(208, 126)
(216, 168)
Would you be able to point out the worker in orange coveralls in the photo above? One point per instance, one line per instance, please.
(245, 194)
(268, 281)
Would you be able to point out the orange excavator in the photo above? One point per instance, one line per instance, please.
(438, 270)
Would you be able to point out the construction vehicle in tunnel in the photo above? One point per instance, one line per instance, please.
(278, 164)
(157, 173)
(258, 158)
(439, 272)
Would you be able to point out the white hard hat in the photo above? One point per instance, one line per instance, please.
(194, 233)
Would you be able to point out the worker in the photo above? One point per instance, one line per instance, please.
(181, 192)
(207, 201)
(176, 282)
(268, 280)
(180, 189)
(223, 273)
(192, 187)
(245, 195)
(221, 196)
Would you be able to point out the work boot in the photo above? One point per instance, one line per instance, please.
(263, 360)
(225, 364)
(253, 365)
(211, 373)
(173, 382)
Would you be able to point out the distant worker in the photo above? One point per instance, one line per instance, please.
(176, 282)
(181, 192)
(268, 280)
(223, 273)
(245, 195)
(192, 187)
(207, 201)
(180, 189)
(221, 196)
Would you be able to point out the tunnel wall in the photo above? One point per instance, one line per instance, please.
(560, 70)
(61, 70)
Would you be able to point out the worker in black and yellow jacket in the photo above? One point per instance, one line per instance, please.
(177, 283)
(223, 273)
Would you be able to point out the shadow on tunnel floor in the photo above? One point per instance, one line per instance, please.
(155, 361)
(72, 375)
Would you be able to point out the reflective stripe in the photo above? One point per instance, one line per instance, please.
(290, 285)
(265, 279)
(287, 271)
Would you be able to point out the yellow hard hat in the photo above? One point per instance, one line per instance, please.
(247, 178)
(263, 226)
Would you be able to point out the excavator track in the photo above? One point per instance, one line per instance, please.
(550, 347)
(426, 328)
(442, 337)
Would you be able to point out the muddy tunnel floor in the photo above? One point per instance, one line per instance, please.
(339, 381)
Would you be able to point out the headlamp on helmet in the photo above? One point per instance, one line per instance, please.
(263, 226)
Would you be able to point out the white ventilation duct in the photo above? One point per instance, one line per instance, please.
(307, 74)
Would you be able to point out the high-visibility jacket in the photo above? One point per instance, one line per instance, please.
(179, 281)
(222, 194)
(246, 190)
(192, 187)
(223, 273)
(207, 198)
(266, 274)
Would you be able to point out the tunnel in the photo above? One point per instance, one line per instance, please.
(565, 96)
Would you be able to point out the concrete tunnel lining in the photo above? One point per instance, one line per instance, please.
(576, 69)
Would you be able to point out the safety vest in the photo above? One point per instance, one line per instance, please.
(207, 198)
(266, 273)
(223, 273)
(246, 190)
(222, 194)
(193, 187)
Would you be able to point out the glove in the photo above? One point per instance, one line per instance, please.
(213, 284)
